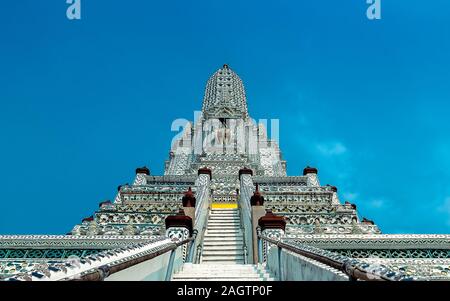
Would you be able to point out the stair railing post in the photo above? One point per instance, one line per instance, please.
(178, 229)
(260, 245)
(199, 254)
(280, 275)
(272, 228)
(245, 255)
(170, 265)
(192, 246)
(241, 220)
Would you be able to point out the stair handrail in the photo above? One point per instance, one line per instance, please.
(104, 271)
(201, 236)
(201, 215)
(243, 200)
(192, 246)
(353, 268)
(241, 220)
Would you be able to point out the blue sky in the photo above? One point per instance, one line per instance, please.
(83, 103)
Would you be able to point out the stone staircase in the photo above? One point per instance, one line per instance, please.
(223, 242)
(222, 272)
(223, 253)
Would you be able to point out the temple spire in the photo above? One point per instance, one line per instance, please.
(225, 95)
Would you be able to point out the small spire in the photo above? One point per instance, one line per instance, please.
(107, 202)
(120, 186)
(189, 191)
(367, 221)
(309, 170)
(188, 199)
(245, 171)
(206, 171)
(347, 203)
(143, 170)
(257, 199)
(272, 221)
(88, 219)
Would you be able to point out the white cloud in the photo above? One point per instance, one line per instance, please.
(374, 203)
(445, 207)
(331, 149)
(377, 203)
(351, 196)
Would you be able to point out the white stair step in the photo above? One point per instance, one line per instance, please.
(228, 254)
(223, 231)
(217, 276)
(227, 245)
(233, 222)
(222, 271)
(230, 267)
(222, 241)
(229, 242)
(230, 247)
(208, 251)
(224, 216)
(212, 257)
(218, 279)
(223, 227)
(227, 257)
(217, 239)
(225, 240)
(215, 267)
(219, 228)
(231, 227)
(223, 268)
(223, 235)
(223, 221)
(222, 261)
(223, 248)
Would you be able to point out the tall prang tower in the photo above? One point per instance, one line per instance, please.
(225, 139)
(225, 209)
